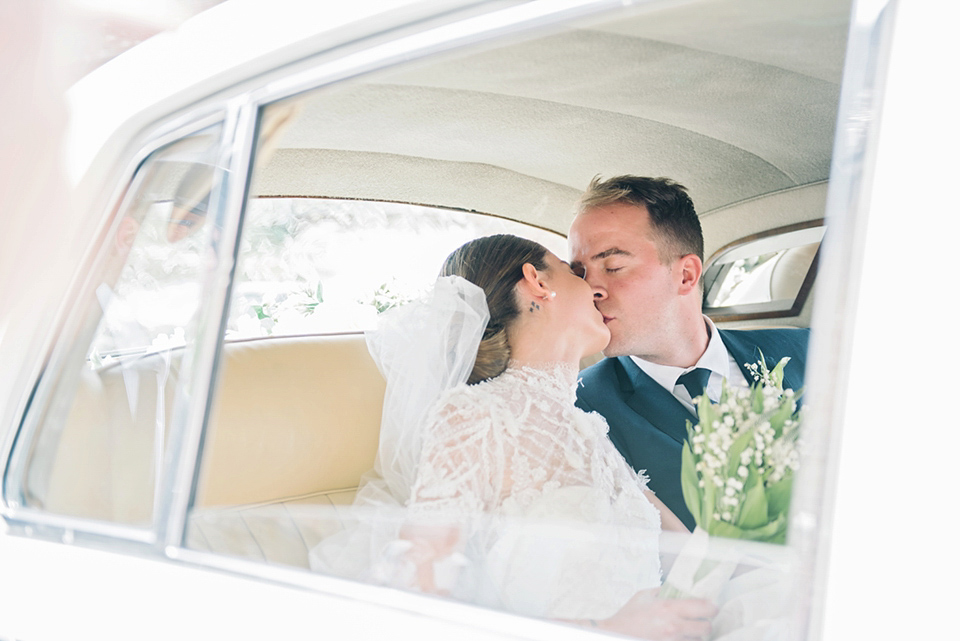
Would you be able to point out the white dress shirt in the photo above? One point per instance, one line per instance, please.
(716, 358)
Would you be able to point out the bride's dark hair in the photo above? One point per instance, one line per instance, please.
(495, 264)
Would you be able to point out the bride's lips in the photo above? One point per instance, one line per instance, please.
(606, 319)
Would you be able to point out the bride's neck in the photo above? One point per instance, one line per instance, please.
(564, 372)
(541, 350)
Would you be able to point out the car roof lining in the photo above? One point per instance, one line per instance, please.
(734, 100)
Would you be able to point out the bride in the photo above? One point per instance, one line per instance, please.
(512, 497)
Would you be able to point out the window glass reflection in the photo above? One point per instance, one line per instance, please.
(100, 442)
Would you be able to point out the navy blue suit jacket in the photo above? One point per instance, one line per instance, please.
(648, 424)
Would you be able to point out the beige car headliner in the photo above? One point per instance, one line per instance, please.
(737, 100)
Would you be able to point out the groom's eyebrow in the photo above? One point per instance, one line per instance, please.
(613, 251)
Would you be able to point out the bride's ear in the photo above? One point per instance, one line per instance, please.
(532, 283)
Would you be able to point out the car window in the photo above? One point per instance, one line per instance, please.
(103, 410)
(314, 265)
(334, 233)
(764, 276)
(295, 420)
(294, 425)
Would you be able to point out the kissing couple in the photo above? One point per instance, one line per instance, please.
(523, 481)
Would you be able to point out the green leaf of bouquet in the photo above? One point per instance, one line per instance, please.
(754, 479)
(689, 482)
(707, 414)
(778, 496)
(780, 415)
(724, 529)
(777, 373)
(724, 392)
(772, 532)
(780, 536)
(756, 399)
(753, 512)
(707, 504)
(736, 449)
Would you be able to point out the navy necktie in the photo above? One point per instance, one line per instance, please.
(695, 381)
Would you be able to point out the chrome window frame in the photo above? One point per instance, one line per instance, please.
(36, 520)
(835, 302)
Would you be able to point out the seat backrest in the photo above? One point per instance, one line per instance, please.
(295, 425)
(293, 417)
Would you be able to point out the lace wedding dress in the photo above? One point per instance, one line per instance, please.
(550, 520)
(570, 533)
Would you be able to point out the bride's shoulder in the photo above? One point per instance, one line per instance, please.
(469, 399)
(466, 407)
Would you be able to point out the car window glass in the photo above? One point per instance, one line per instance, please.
(762, 277)
(312, 265)
(294, 426)
(99, 442)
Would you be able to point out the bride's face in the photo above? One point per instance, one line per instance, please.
(574, 301)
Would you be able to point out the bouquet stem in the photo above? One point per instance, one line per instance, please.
(701, 570)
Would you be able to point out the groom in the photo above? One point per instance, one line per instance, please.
(638, 242)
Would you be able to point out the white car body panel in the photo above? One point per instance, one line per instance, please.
(887, 554)
(893, 553)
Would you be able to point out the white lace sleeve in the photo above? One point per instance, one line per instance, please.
(458, 474)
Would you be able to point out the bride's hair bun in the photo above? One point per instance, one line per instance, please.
(495, 264)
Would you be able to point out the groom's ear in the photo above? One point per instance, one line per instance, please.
(691, 267)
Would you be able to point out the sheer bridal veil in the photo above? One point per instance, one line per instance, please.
(422, 349)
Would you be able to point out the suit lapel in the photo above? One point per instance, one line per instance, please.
(745, 352)
(651, 401)
(741, 352)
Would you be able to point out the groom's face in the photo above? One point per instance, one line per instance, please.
(613, 248)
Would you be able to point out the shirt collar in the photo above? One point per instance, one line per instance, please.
(715, 358)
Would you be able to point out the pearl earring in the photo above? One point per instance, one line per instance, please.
(550, 295)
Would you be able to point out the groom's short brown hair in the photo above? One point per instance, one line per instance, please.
(672, 214)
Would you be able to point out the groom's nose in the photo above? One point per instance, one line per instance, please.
(599, 293)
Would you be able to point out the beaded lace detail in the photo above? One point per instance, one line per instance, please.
(517, 446)
(502, 443)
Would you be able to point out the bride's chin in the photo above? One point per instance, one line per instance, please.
(603, 339)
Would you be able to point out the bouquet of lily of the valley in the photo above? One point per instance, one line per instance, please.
(738, 462)
(737, 472)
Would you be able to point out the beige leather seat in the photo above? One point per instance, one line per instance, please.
(293, 417)
(295, 425)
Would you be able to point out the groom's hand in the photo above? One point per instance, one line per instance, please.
(662, 619)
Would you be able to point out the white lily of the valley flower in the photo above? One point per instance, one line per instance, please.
(752, 419)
